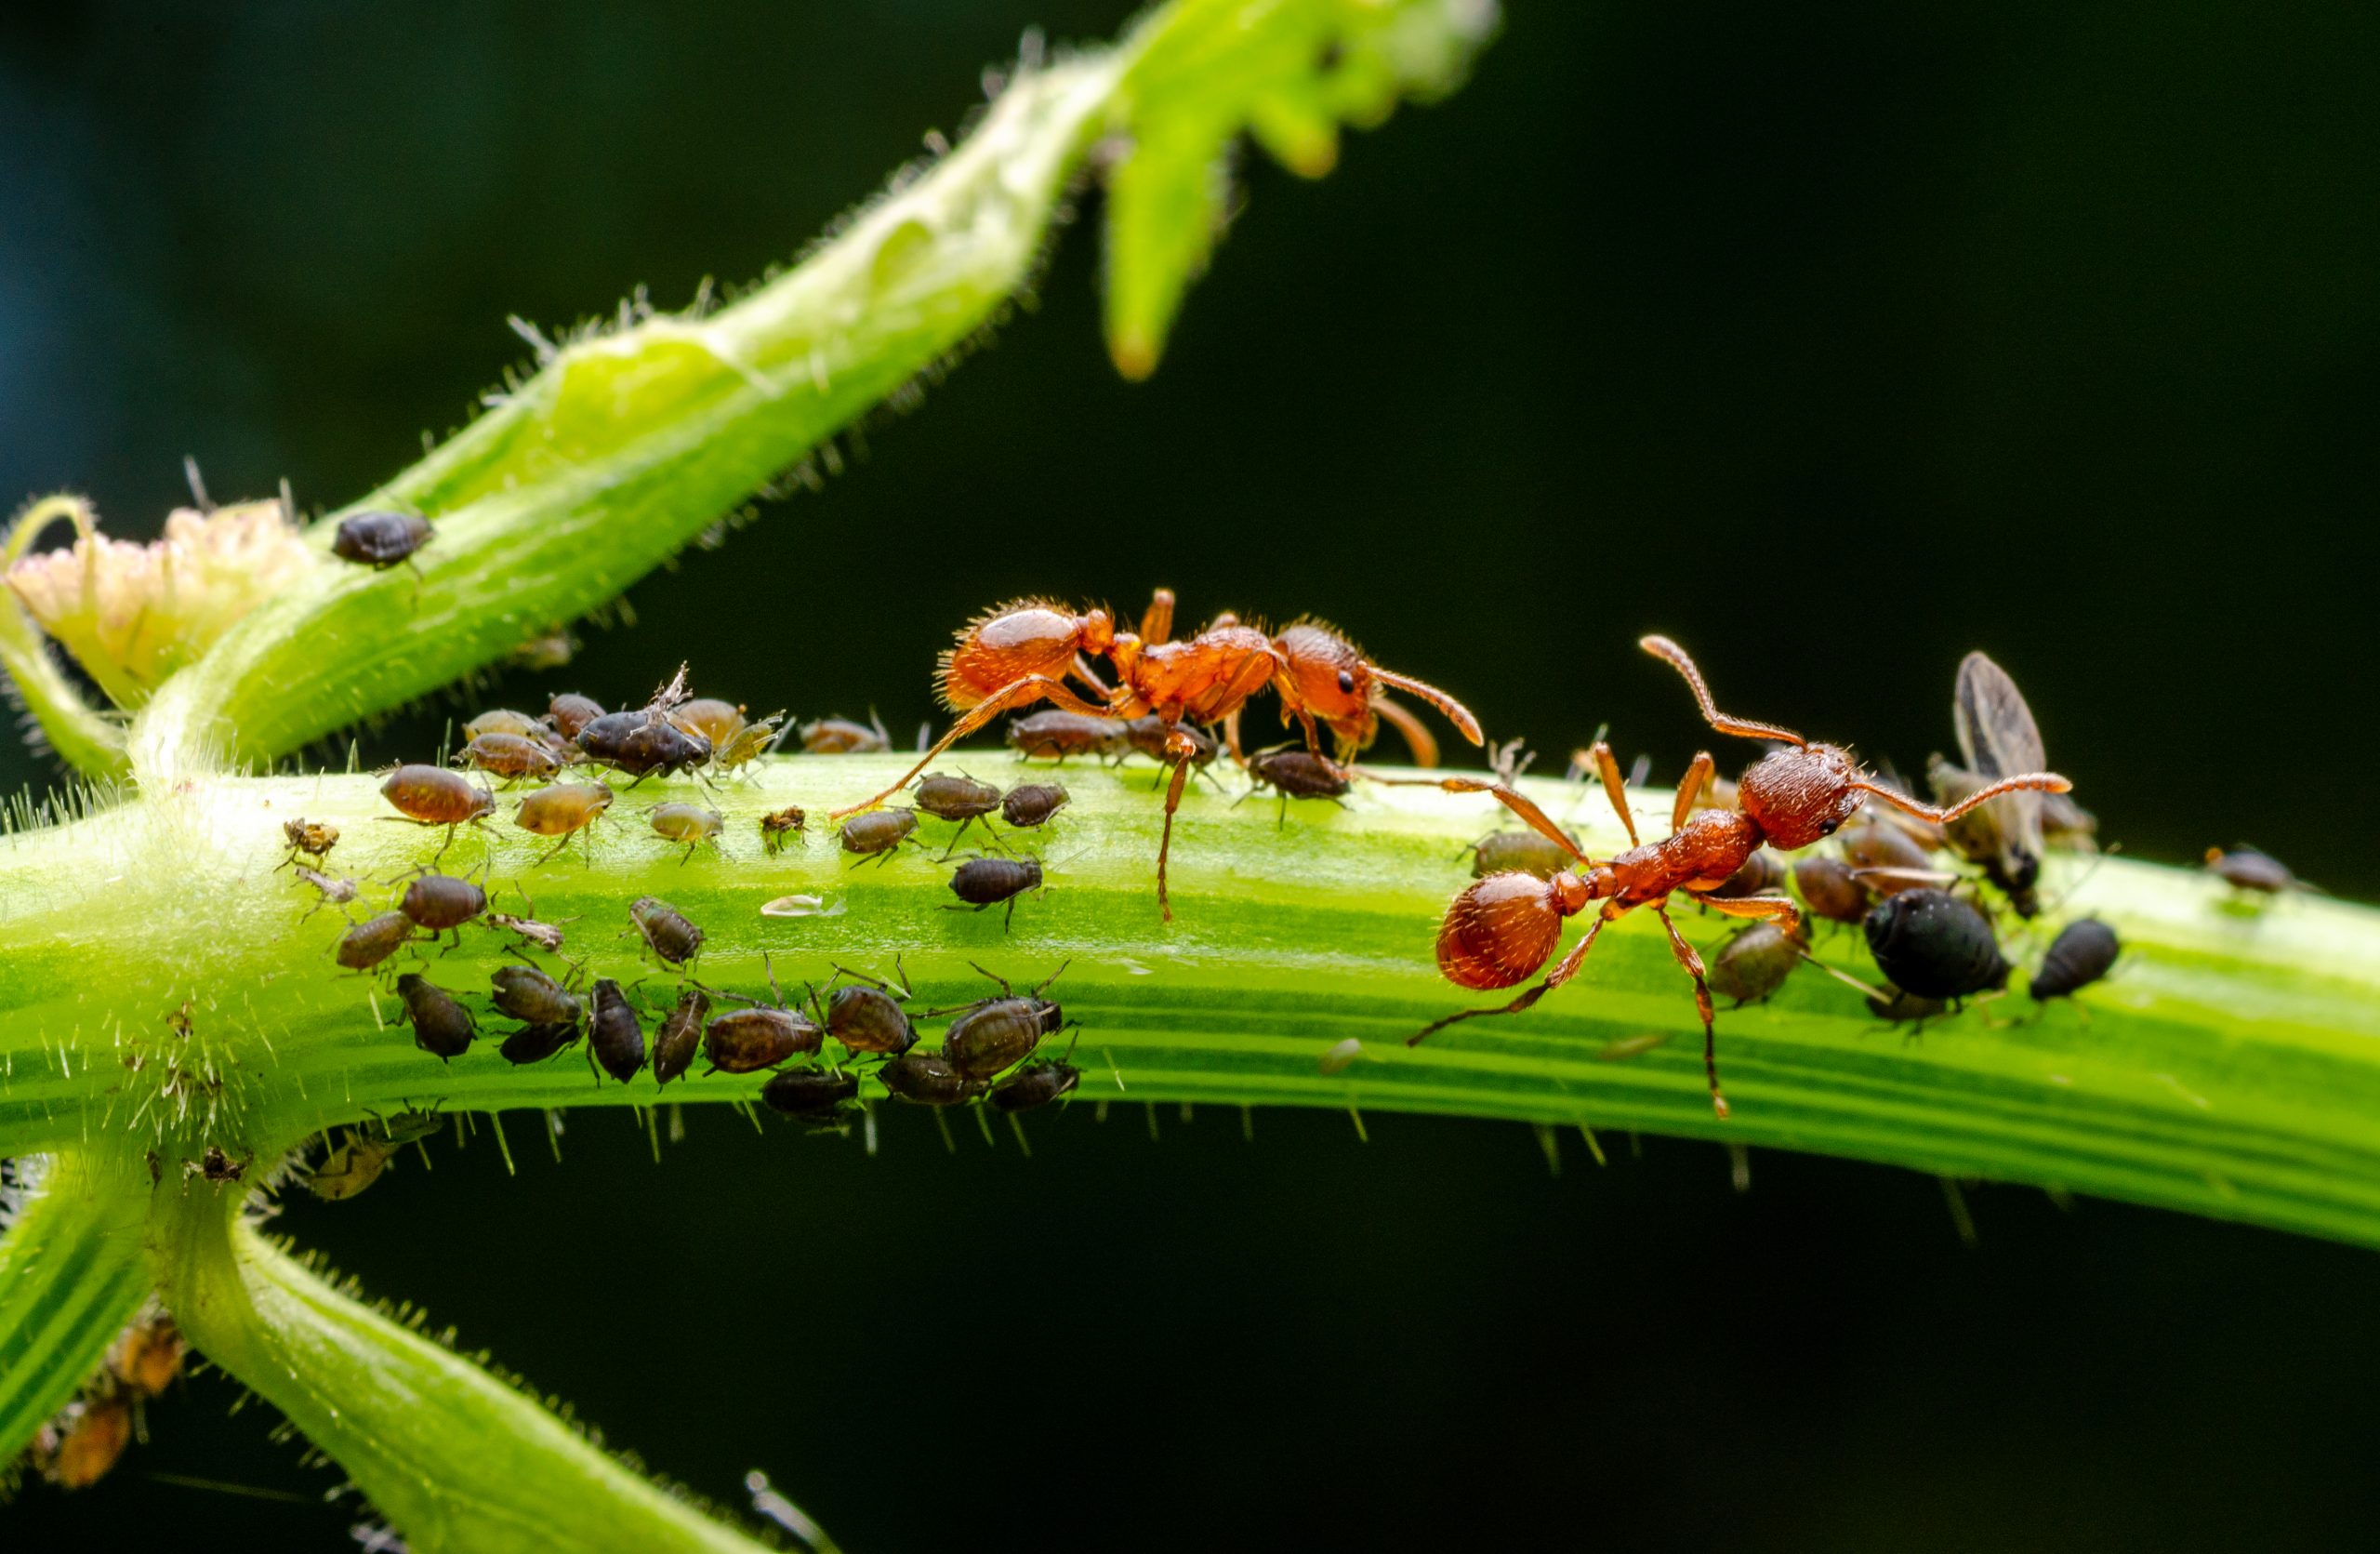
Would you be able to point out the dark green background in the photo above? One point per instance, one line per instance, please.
(1834, 342)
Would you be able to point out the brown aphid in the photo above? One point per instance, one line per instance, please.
(1885, 858)
(535, 1043)
(439, 902)
(336, 889)
(1501, 930)
(680, 1035)
(379, 540)
(79, 1448)
(1034, 1086)
(1754, 963)
(995, 1033)
(511, 756)
(1829, 889)
(928, 1078)
(665, 930)
(148, 1354)
(983, 883)
(373, 940)
(1899, 1008)
(792, 817)
(569, 713)
(842, 736)
(1762, 874)
(2243, 868)
(504, 720)
(717, 721)
(434, 796)
(562, 811)
(441, 1027)
(529, 995)
(1148, 736)
(691, 824)
(1295, 774)
(642, 744)
(813, 1095)
(615, 1035)
(1517, 852)
(1033, 803)
(355, 1165)
(879, 834)
(957, 798)
(1056, 736)
(313, 838)
(867, 1016)
(762, 1036)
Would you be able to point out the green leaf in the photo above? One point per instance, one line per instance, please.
(72, 1272)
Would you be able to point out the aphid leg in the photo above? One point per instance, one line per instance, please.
(1017, 692)
(1689, 788)
(1418, 737)
(1009, 922)
(1692, 960)
(1157, 622)
(1606, 765)
(1676, 656)
(1562, 973)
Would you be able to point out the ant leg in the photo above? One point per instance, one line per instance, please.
(1688, 958)
(1081, 669)
(1231, 735)
(2042, 782)
(1017, 692)
(1519, 803)
(1562, 973)
(1689, 788)
(1770, 908)
(1418, 737)
(1157, 622)
(1164, 843)
(1607, 767)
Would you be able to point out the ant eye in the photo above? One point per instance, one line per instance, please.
(1830, 827)
(1346, 682)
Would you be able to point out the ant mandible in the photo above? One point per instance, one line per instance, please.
(1025, 652)
(1501, 929)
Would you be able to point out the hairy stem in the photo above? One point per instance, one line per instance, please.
(72, 1272)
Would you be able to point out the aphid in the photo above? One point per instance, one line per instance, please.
(717, 721)
(336, 890)
(1149, 735)
(809, 1094)
(1023, 653)
(1295, 774)
(927, 1079)
(1032, 804)
(545, 935)
(1762, 874)
(1897, 1007)
(2067, 824)
(85, 1441)
(1930, 943)
(562, 811)
(840, 737)
(1034, 1086)
(957, 798)
(1753, 963)
(441, 902)
(751, 742)
(373, 940)
(1884, 859)
(434, 796)
(666, 930)
(313, 838)
(2243, 868)
(380, 541)
(642, 743)
(441, 1027)
(148, 1354)
(879, 834)
(1048, 735)
(763, 1036)
(407, 1125)
(691, 824)
(535, 1043)
(2082, 952)
(614, 1035)
(774, 827)
(1501, 929)
(569, 713)
(1522, 852)
(527, 994)
(983, 882)
(1340, 1056)
(511, 756)
(217, 1166)
(503, 720)
(365, 1153)
(867, 1016)
(994, 1033)
(680, 1035)
(1828, 889)
(1997, 736)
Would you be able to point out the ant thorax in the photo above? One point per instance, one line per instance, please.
(1800, 795)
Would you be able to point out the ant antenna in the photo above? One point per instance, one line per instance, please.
(1456, 713)
(2043, 782)
(1676, 656)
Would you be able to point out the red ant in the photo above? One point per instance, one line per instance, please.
(1023, 652)
(1501, 929)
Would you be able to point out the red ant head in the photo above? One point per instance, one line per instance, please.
(1800, 795)
(1326, 675)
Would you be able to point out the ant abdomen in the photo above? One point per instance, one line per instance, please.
(1499, 931)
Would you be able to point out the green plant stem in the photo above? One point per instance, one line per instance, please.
(2229, 1068)
(72, 1272)
(454, 1457)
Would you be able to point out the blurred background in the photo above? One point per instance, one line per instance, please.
(1834, 343)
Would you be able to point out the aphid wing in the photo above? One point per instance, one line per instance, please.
(1999, 738)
